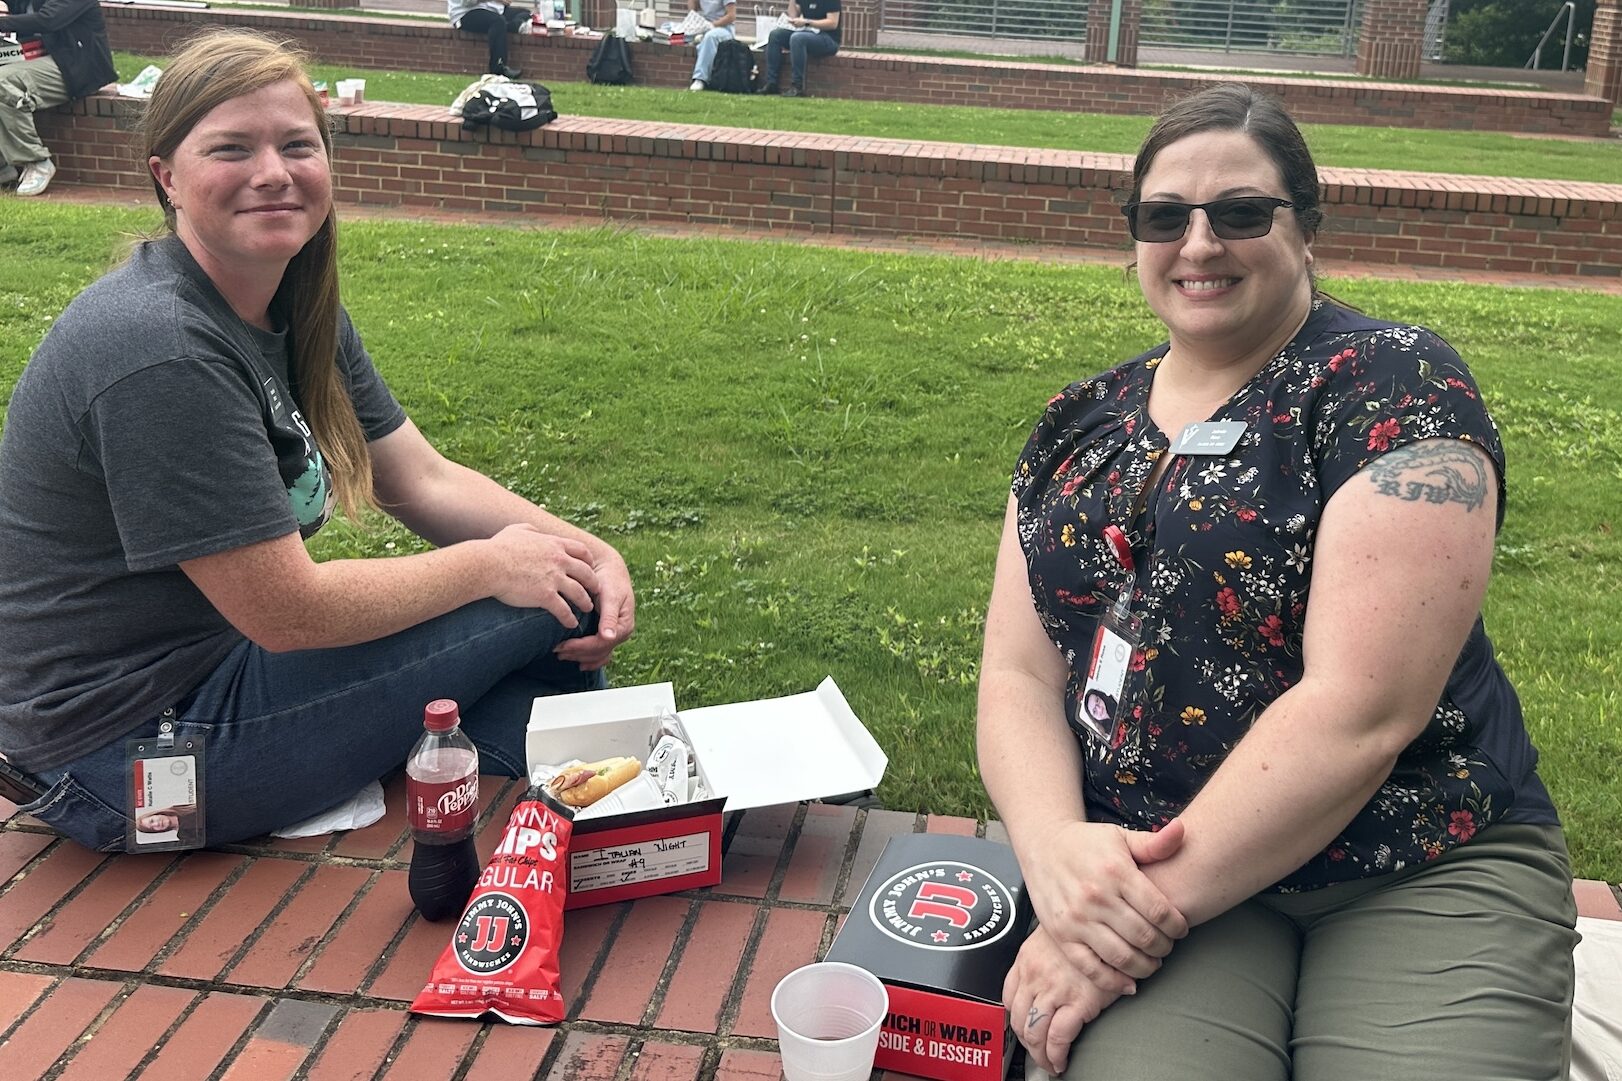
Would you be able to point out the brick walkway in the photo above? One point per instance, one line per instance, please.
(296, 959)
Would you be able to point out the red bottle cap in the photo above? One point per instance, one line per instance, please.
(441, 715)
(1116, 539)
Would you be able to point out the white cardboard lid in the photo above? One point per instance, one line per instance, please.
(784, 750)
(756, 754)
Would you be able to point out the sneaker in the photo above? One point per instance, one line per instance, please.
(8, 175)
(698, 84)
(36, 175)
(766, 88)
(794, 92)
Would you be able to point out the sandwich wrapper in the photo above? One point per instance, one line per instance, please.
(745, 754)
(940, 922)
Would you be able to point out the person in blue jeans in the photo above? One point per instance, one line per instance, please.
(187, 423)
(722, 15)
(815, 33)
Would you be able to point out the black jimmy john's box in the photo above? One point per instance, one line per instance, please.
(940, 921)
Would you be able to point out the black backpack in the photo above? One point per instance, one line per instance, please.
(610, 61)
(734, 70)
(518, 107)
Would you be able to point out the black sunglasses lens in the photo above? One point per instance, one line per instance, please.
(1158, 223)
(1241, 219)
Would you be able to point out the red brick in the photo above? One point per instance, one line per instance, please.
(435, 1048)
(667, 1062)
(588, 1057)
(164, 912)
(73, 927)
(708, 965)
(70, 1006)
(42, 887)
(16, 849)
(876, 833)
(751, 858)
(211, 944)
(200, 1044)
(510, 1052)
(18, 990)
(350, 955)
(358, 1046)
(407, 969)
(792, 938)
(740, 1065)
(635, 962)
(124, 1038)
(958, 827)
(1596, 899)
(378, 839)
(585, 939)
(282, 1042)
(299, 925)
(819, 854)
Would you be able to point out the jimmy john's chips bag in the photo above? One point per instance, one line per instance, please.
(503, 953)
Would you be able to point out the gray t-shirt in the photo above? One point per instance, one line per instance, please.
(151, 426)
(714, 10)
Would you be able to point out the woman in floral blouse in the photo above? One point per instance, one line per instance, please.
(1272, 792)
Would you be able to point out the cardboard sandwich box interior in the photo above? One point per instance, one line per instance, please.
(746, 754)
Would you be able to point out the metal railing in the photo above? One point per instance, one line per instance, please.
(1035, 20)
(1567, 12)
(1310, 27)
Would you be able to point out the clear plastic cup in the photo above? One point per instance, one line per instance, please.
(828, 1017)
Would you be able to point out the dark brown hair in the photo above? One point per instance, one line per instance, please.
(208, 70)
(1237, 107)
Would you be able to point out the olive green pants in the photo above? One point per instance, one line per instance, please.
(1460, 968)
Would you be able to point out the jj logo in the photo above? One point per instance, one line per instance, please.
(945, 905)
(940, 901)
(491, 933)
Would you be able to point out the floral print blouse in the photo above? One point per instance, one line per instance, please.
(1223, 550)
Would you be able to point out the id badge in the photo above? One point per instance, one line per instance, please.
(165, 790)
(1115, 647)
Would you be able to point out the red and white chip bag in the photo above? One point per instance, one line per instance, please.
(503, 954)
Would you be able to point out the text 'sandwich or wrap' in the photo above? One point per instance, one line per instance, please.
(503, 955)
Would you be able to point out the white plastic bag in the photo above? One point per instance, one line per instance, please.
(141, 86)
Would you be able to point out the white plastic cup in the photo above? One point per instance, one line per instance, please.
(346, 91)
(828, 1017)
(360, 90)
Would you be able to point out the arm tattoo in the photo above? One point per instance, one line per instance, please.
(1437, 471)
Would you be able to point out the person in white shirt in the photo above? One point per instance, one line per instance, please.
(722, 15)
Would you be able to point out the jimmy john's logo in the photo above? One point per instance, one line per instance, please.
(492, 934)
(943, 905)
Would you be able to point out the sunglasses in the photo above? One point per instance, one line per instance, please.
(1244, 218)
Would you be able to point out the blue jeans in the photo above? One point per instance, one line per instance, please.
(288, 735)
(707, 45)
(800, 45)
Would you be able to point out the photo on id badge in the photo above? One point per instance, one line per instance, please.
(165, 807)
(1107, 672)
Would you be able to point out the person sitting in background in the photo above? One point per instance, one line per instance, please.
(495, 20)
(815, 33)
(721, 14)
(65, 57)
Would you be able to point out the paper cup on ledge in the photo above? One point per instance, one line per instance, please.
(346, 91)
(828, 1017)
(360, 90)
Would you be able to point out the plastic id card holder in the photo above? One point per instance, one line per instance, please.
(165, 790)
(1115, 649)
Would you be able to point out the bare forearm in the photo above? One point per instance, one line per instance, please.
(463, 504)
(1029, 760)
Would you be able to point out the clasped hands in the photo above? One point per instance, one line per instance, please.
(1103, 925)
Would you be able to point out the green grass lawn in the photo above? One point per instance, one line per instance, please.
(804, 453)
(1332, 144)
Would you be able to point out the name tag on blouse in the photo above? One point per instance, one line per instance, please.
(1209, 437)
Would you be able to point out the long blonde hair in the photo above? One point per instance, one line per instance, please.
(208, 70)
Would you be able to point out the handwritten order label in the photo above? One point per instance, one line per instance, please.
(642, 861)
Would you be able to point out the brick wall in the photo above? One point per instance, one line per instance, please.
(1392, 35)
(421, 46)
(781, 183)
(1126, 44)
(1604, 79)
